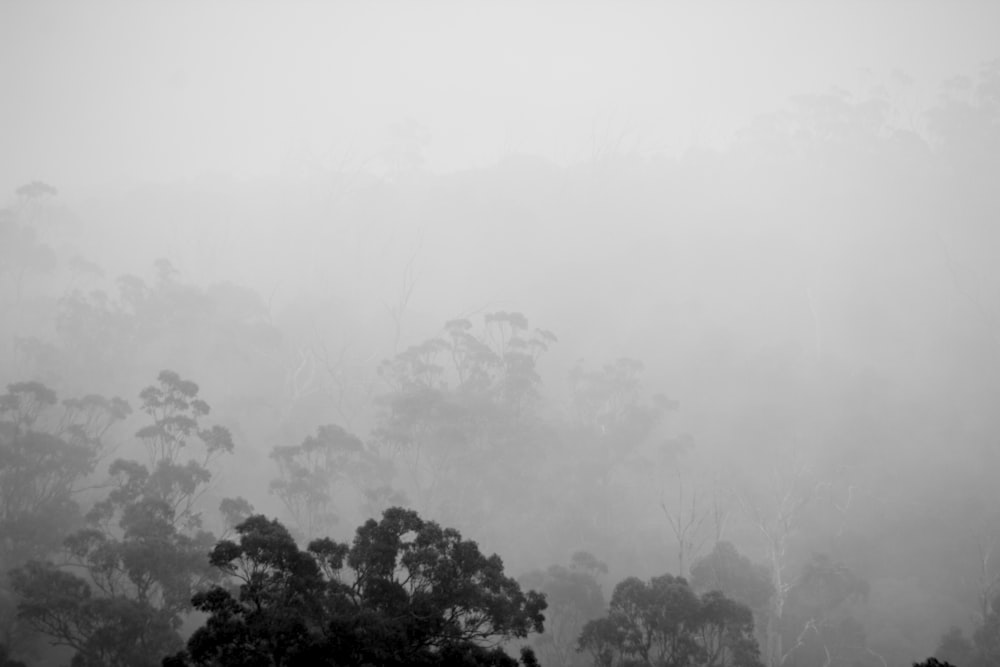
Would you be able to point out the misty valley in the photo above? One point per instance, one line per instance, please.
(729, 406)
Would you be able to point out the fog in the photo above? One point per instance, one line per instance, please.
(630, 279)
(104, 98)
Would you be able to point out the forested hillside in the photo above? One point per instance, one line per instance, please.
(735, 406)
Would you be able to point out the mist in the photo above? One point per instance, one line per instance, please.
(617, 290)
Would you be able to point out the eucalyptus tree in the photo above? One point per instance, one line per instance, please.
(119, 592)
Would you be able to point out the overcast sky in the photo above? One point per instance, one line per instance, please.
(110, 94)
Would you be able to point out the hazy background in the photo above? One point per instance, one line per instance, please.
(103, 97)
(787, 212)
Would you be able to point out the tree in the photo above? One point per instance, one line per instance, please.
(32, 201)
(612, 418)
(6, 660)
(663, 622)
(609, 401)
(963, 124)
(457, 407)
(310, 474)
(109, 334)
(727, 570)
(725, 632)
(45, 454)
(686, 525)
(47, 450)
(406, 592)
(791, 494)
(984, 647)
(574, 597)
(36, 190)
(818, 624)
(21, 253)
(127, 579)
(113, 631)
(955, 647)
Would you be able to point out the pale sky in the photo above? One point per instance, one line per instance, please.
(110, 94)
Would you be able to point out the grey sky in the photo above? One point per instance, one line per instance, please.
(116, 93)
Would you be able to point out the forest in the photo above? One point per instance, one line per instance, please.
(734, 407)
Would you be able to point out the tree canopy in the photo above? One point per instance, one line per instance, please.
(124, 580)
(405, 592)
(663, 622)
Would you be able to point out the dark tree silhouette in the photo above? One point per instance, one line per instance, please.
(407, 592)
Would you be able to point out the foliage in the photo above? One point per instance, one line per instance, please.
(460, 403)
(982, 649)
(663, 622)
(114, 630)
(128, 577)
(36, 190)
(6, 660)
(470, 439)
(496, 367)
(727, 570)
(964, 123)
(609, 401)
(47, 451)
(21, 250)
(612, 421)
(818, 620)
(406, 592)
(956, 647)
(107, 332)
(45, 454)
(310, 474)
(574, 597)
